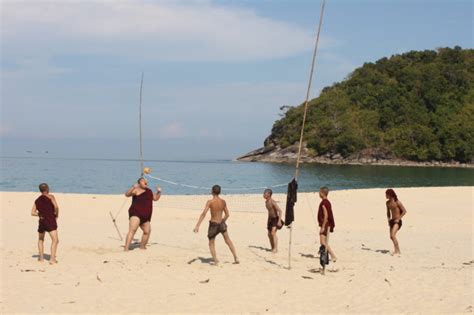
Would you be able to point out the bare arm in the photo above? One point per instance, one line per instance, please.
(55, 204)
(201, 217)
(131, 192)
(226, 212)
(404, 211)
(34, 211)
(157, 196)
(277, 208)
(388, 211)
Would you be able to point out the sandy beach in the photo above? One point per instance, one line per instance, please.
(94, 275)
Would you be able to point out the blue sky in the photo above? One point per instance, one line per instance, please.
(216, 72)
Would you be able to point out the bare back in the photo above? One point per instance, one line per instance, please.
(271, 207)
(394, 208)
(217, 206)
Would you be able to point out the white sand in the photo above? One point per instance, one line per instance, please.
(433, 275)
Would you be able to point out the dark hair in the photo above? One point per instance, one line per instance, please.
(324, 190)
(216, 190)
(391, 194)
(43, 187)
(140, 179)
(268, 191)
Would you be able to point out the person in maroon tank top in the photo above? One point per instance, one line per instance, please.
(46, 208)
(326, 221)
(140, 211)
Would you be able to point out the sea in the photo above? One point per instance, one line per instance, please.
(114, 176)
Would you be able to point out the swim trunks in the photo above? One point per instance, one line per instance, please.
(392, 222)
(273, 222)
(216, 228)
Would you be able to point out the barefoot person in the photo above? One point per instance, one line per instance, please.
(46, 208)
(395, 213)
(140, 211)
(326, 221)
(274, 221)
(217, 224)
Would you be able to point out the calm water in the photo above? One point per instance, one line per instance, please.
(115, 176)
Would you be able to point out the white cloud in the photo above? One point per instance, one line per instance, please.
(196, 30)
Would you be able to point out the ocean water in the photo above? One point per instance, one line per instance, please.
(101, 176)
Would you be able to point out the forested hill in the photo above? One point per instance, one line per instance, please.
(417, 106)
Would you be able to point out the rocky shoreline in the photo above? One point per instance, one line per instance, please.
(275, 154)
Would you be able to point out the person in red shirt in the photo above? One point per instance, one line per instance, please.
(46, 208)
(326, 221)
(140, 211)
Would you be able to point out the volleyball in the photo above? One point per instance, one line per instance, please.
(146, 170)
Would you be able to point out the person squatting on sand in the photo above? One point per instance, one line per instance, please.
(140, 211)
(217, 224)
(46, 208)
(326, 221)
(395, 213)
(274, 221)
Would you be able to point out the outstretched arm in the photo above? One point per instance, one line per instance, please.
(201, 217)
(34, 211)
(404, 211)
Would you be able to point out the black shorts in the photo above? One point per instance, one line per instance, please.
(273, 222)
(392, 222)
(216, 228)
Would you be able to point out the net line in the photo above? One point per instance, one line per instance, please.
(207, 188)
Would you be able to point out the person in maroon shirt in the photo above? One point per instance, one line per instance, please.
(326, 221)
(140, 211)
(46, 208)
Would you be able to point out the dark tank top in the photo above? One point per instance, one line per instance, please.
(142, 205)
(45, 207)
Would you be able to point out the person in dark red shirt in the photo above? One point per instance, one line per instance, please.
(326, 221)
(46, 208)
(140, 211)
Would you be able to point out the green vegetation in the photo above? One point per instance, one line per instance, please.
(416, 106)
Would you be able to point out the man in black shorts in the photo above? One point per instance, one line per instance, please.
(217, 224)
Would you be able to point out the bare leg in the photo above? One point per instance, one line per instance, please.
(212, 248)
(133, 224)
(393, 237)
(325, 241)
(41, 247)
(273, 235)
(54, 246)
(270, 237)
(146, 228)
(231, 246)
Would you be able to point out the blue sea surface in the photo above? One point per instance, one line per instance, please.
(109, 176)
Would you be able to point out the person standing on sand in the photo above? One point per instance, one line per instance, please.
(140, 211)
(395, 212)
(274, 221)
(46, 208)
(217, 224)
(326, 221)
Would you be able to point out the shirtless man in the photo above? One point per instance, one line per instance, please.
(140, 211)
(46, 208)
(274, 221)
(395, 213)
(217, 224)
